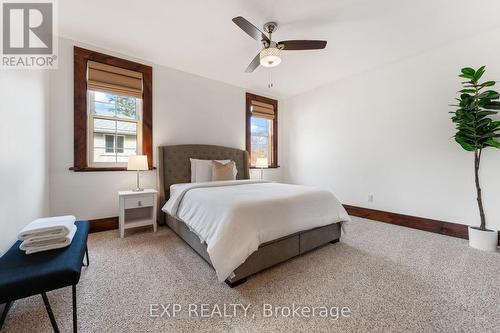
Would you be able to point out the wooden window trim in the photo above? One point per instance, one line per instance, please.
(81, 57)
(274, 103)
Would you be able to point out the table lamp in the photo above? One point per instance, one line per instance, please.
(262, 163)
(137, 163)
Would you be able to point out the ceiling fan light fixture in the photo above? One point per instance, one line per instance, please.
(270, 57)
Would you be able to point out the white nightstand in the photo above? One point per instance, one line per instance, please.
(137, 209)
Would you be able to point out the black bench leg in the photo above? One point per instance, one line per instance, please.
(49, 311)
(4, 313)
(86, 255)
(75, 322)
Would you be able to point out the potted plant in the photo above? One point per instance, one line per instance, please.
(476, 130)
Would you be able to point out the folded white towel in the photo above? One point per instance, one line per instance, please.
(58, 226)
(48, 237)
(45, 245)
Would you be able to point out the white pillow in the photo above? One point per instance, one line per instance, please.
(201, 170)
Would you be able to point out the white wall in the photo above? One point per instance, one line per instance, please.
(23, 152)
(387, 132)
(186, 109)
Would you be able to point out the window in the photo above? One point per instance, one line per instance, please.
(120, 140)
(261, 139)
(113, 111)
(110, 143)
(110, 148)
(114, 127)
(262, 129)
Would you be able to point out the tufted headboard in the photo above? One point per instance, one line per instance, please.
(174, 166)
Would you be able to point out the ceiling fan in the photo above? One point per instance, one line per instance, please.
(270, 55)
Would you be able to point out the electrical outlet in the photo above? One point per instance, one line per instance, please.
(370, 198)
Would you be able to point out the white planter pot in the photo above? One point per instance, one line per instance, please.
(483, 240)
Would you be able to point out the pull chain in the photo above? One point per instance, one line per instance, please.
(270, 82)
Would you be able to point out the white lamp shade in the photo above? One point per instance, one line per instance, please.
(137, 162)
(261, 162)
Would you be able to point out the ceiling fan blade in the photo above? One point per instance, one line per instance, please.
(250, 29)
(254, 64)
(295, 45)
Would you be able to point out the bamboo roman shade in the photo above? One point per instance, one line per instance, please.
(262, 110)
(114, 79)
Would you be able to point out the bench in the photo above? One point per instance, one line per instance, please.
(24, 275)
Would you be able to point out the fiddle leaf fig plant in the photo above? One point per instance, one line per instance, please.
(476, 129)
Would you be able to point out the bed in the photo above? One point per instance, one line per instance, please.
(262, 250)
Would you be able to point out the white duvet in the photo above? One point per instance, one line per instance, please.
(234, 217)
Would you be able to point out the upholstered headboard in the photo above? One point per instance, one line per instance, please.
(174, 166)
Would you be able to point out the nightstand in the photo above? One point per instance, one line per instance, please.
(137, 209)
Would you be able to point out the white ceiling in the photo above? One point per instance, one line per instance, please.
(198, 36)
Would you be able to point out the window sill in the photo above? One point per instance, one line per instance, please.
(269, 167)
(93, 169)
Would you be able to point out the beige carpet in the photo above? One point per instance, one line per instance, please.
(393, 279)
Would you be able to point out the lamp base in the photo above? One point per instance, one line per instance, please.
(138, 187)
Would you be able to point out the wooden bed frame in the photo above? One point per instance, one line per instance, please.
(175, 167)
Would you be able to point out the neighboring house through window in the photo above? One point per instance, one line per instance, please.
(113, 111)
(262, 129)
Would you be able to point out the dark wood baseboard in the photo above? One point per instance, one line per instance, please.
(420, 223)
(105, 224)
